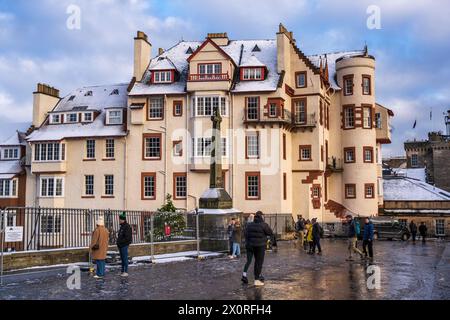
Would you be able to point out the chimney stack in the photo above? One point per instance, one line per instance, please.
(142, 54)
(221, 39)
(45, 99)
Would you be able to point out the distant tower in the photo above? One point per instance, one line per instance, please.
(447, 122)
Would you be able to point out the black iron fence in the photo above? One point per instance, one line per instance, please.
(52, 228)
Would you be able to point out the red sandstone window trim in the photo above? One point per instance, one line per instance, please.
(366, 186)
(353, 149)
(347, 186)
(252, 174)
(143, 176)
(296, 79)
(367, 148)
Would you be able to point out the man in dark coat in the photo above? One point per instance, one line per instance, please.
(368, 237)
(256, 237)
(423, 231)
(124, 239)
(413, 230)
(316, 232)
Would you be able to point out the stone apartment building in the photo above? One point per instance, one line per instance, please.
(300, 134)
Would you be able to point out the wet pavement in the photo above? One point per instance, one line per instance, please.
(407, 272)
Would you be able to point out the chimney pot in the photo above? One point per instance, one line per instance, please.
(160, 51)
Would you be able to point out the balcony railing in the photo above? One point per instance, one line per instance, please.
(335, 164)
(253, 116)
(305, 120)
(209, 77)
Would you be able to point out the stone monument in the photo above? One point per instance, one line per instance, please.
(215, 204)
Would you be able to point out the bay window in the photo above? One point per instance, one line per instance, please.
(204, 106)
(46, 152)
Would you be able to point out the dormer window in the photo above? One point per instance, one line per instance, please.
(114, 116)
(71, 118)
(162, 76)
(252, 73)
(11, 154)
(55, 118)
(88, 117)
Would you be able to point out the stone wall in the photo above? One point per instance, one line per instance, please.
(21, 260)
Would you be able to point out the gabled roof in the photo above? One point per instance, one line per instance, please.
(17, 139)
(252, 61)
(162, 63)
(102, 98)
(236, 50)
(409, 189)
(219, 49)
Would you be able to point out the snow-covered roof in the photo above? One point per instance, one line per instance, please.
(252, 61)
(331, 60)
(162, 63)
(415, 173)
(98, 98)
(17, 139)
(178, 55)
(407, 189)
(9, 168)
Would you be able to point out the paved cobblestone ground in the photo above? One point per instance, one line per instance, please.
(407, 272)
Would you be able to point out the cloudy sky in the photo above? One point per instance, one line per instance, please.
(412, 46)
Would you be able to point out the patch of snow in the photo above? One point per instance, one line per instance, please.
(331, 60)
(402, 188)
(17, 139)
(415, 173)
(10, 167)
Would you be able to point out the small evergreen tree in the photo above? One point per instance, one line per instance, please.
(168, 214)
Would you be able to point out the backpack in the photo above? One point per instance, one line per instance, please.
(357, 227)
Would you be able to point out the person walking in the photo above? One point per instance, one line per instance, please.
(248, 249)
(230, 235)
(423, 231)
(257, 233)
(368, 238)
(309, 236)
(353, 237)
(124, 239)
(316, 233)
(237, 239)
(413, 230)
(299, 229)
(99, 247)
